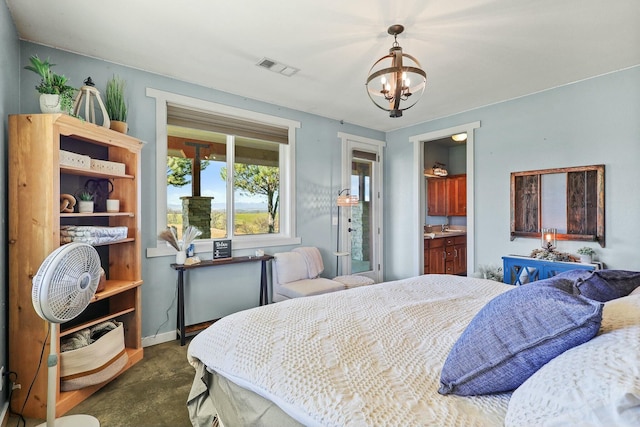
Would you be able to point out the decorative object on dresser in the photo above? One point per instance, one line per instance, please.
(548, 238)
(116, 105)
(56, 96)
(35, 222)
(189, 235)
(586, 254)
(70, 273)
(88, 93)
(222, 249)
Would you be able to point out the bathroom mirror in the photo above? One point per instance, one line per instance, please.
(571, 200)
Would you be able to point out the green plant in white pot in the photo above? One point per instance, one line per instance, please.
(56, 95)
(116, 105)
(85, 204)
(586, 254)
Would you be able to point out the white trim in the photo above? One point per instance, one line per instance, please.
(418, 174)
(349, 142)
(287, 235)
(159, 338)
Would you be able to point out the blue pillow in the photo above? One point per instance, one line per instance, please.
(514, 335)
(602, 285)
(561, 282)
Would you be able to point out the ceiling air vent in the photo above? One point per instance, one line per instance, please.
(277, 67)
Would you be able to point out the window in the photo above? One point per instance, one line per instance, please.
(227, 171)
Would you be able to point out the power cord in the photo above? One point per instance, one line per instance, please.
(13, 379)
(24, 404)
(175, 295)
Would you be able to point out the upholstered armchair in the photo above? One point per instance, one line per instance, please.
(297, 274)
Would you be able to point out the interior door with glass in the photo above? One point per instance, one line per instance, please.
(364, 222)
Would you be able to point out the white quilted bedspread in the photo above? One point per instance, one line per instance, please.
(369, 356)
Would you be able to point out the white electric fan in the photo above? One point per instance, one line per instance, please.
(62, 288)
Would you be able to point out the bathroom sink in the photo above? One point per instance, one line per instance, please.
(446, 233)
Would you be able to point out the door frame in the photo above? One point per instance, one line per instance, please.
(348, 143)
(420, 192)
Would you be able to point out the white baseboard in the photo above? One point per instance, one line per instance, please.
(158, 339)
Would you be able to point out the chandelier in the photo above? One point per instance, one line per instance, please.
(392, 91)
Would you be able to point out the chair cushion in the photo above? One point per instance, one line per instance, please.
(353, 281)
(290, 267)
(514, 335)
(308, 287)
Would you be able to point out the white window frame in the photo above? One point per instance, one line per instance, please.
(287, 213)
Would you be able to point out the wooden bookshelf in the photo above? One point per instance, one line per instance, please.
(36, 181)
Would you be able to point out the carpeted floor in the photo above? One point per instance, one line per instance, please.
(153, 393)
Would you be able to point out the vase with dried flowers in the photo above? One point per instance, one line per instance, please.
(170, 235)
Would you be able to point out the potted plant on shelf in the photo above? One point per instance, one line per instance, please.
(115, 104)
(56, 95)
(586, 254)
(85, 205)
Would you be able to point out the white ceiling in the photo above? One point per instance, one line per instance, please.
(475, 52)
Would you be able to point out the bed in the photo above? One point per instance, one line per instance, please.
(374, 356)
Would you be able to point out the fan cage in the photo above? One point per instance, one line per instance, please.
(66, 282)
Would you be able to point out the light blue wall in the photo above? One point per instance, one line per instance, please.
(9, 103)
(596, 121)
(590, 122)
(212, 292)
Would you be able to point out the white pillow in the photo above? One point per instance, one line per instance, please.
(594, 384)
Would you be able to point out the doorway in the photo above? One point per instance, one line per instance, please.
(360, 229)
(420, 191)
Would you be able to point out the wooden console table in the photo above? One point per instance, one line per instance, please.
(180, 331)
(519, 270)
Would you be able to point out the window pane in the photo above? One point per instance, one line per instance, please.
(256, 187)
(196, 189)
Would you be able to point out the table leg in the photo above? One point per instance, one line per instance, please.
(263, 283)
(181, 327)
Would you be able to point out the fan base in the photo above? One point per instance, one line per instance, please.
(74, 421)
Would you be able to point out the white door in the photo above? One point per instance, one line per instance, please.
(361, 224)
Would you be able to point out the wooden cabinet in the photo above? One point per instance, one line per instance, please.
(460, 255)
(437, 196)
(436, 256)
(446, 255)
(426, 257)
(36, 181)
(447, 196)
(457, 195)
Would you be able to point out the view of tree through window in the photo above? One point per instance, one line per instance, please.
(197, 189)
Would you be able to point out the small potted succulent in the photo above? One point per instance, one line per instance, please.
(85, 205)
(586, 254)
(56, 95)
